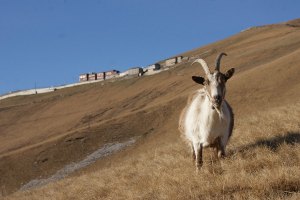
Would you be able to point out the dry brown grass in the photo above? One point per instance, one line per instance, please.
(39, 133)
(263, 163)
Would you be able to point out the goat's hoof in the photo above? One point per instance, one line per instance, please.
(221, 155)
(199, 165)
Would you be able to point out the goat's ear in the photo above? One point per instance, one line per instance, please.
(198, 79)
(229, 74)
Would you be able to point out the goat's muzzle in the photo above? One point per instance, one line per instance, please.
(217, 101)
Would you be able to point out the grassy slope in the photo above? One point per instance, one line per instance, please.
(66, 125)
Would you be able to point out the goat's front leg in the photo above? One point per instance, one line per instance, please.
(193, 152)
(220, 148)
(198, 151)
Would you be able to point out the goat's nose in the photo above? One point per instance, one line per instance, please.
(218, 98)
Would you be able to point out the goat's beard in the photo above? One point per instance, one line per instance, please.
(217, 108)
(216, 105)
(219, 111)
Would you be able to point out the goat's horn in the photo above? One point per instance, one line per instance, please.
(204, 66)
(218, 60)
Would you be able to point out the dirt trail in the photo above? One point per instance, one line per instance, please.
(106, 150)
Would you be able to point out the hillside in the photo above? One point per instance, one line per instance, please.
(40, 134)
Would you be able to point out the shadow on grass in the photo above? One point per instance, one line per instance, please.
(290, 138)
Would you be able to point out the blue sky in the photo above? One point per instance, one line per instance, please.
(50, 42)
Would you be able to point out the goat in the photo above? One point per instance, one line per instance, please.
(207, 120)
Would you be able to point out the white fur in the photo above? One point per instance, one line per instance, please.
(202, 125)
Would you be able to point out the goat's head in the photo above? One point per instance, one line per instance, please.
(215, 83)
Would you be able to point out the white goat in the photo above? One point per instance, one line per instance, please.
(207, 120)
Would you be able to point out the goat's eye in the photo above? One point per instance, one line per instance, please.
(221, 79)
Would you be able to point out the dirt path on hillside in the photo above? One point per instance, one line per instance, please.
(106, 150)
